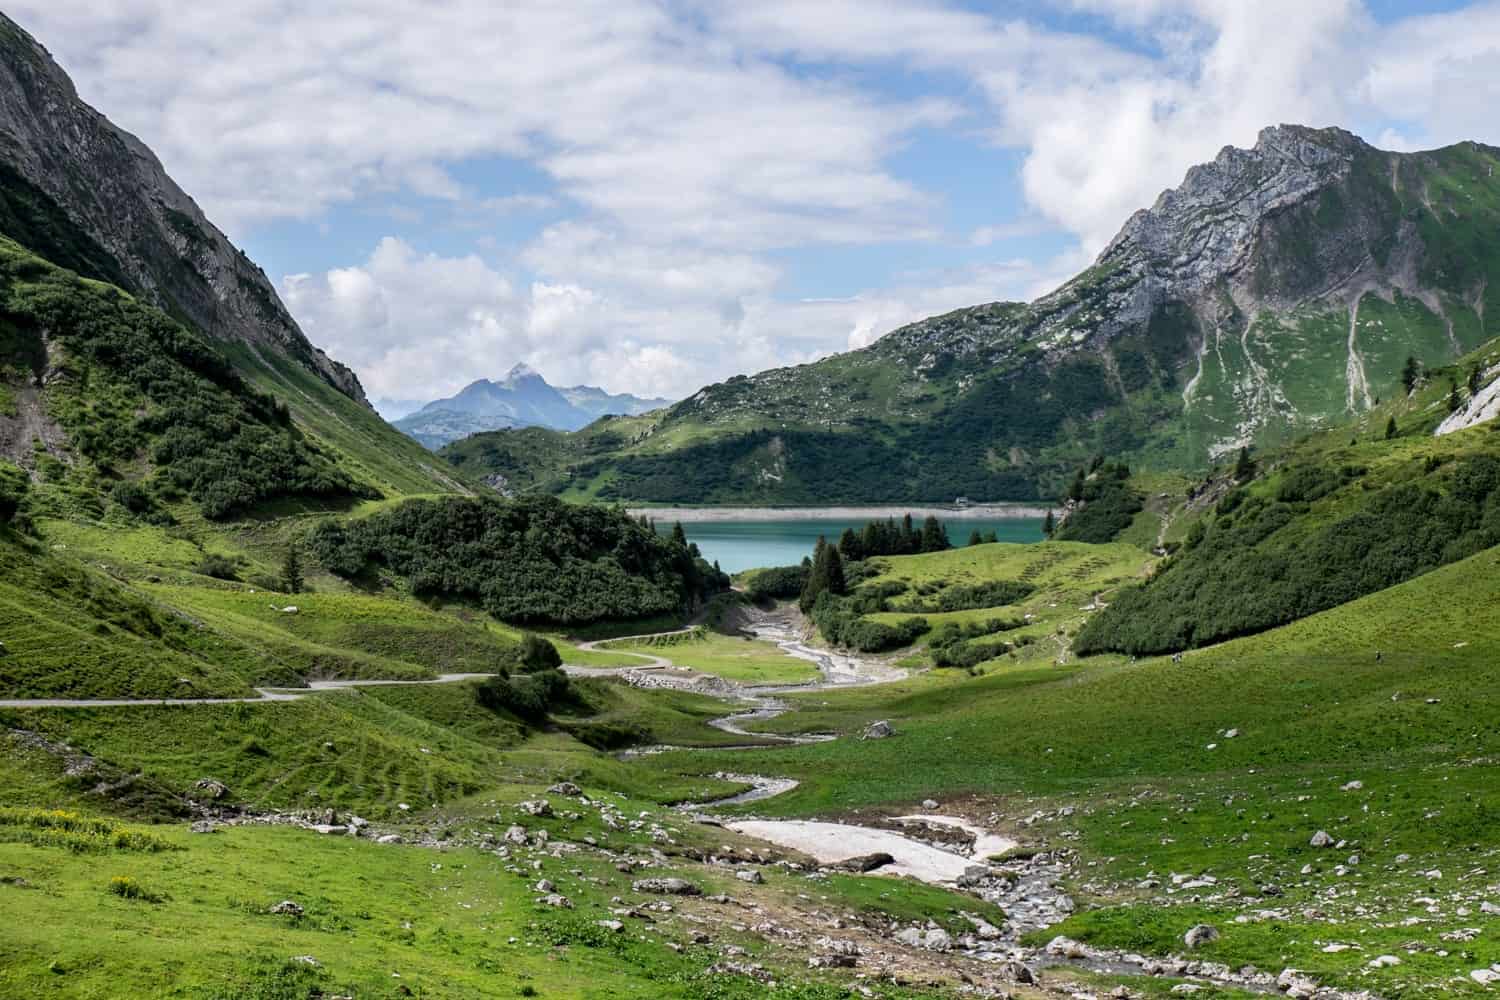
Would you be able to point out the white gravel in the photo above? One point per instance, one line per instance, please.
(831, 843)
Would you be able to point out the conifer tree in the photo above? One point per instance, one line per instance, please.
(1476, 376)
(1049, 525)
(1410, 373)
(678, 535)
(291, 571)
(1454, 402)
(975, 538)
(1244, 467)
(817, 578)
(1390, 428)
(836, 582)
(851, 545)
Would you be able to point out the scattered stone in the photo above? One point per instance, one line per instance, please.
(929, 804)
(1200, 934)
(516, 835)
(1183, 989)
(544, 886)
(934, 939)
(832, 962)
(611, 925)
(1018, 971)
(1484, 977)
(566, 789)
(1384, 961)
(878, 730)
(307, 960)
(536, 807)
(389, 838)
(1352, 786)
(1321, 839)
(203, 826)
(749, 875)
(666, 887)
(288, 907)
(291, 609)
(1488, 907)
(554, 899)
(1066, 947)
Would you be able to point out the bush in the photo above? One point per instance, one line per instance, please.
(611, 735)
(219, 567)
(992, 594)
(529, 696)
(134, 497)
(842, 625)
(1107, 506)
(777, 582)
(538, 654)
(128, 888)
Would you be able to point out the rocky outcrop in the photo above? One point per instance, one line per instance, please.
(87, 195)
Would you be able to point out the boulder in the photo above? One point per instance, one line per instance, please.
(535, 807)
(929, 803)
(1019, 972)
(516, 835)
(566, 789)
(213, 789)
(288, 907)
(933, 939)
(202, 826)
(611, 925)
(389, 838)
(878, 730)
(865, 862)
(749, 875)
(831, 962)
(1200, 935)
(1321, 839)
(666, 887)
(553, 899)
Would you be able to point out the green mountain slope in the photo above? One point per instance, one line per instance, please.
(1279, 289)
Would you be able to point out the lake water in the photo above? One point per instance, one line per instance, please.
(742, 545)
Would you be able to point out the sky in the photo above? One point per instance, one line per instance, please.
(652, 196)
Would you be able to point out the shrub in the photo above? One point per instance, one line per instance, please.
(134, 497)
(538, 654)
(777, 582)
(529, 696)
(220, 567)
(128, 888)
(14, 484)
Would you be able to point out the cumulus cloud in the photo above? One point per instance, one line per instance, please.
(678, 145)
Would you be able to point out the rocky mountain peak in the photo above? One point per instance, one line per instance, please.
(1204, 228)
(99, 201)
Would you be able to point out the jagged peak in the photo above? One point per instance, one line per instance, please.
(522, 370)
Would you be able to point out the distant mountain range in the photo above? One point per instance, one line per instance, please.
(523, 398)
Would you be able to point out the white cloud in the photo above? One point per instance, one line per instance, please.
(679, 144)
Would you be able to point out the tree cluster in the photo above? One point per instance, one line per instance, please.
(529, 560)
(1267, 560)
(1104, 505)
(890, 538)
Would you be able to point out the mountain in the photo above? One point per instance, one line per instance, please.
(1277, 289)
(523, 398)
(82, 194)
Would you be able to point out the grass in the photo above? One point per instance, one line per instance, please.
(734, 658)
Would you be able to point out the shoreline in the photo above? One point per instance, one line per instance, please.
(726, 515)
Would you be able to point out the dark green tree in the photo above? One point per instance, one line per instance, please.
(13, 486)
(817, 578)
(837, 583)
(1244, 465)
(1049, 525)
(851, 545)
(1390, 428)
(1476, 377)
(291, 571)
(911, 540)
(975, 538)
(1075, 490)
(678, 535)
(1454, 401)
(934, 538)
(1410, 373)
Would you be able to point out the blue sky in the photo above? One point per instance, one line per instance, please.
(650, 196)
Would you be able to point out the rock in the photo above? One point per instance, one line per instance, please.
(1066, 947)
(1185, 989)
(1484, 977)
(1488, 907)
(553, 899)
(215, 790)
(929, 804)
(611, 925)
(878, 730)
(566, 789)
(986, 930)
(329, 817)
(832, 962)
(516, 835)
(934, 939)
(1200, 935)
(749, 875)
(287, 907)
(307, 960)
(865, 862)
(666, 887)
(1352, 786)
(1019, 972)
(1384, 962)
(290, 609)
(389, 838)
(535, 807)
(1321, 839)
(544, 886)
(203, 826)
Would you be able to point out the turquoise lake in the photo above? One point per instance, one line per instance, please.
(741, 545)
